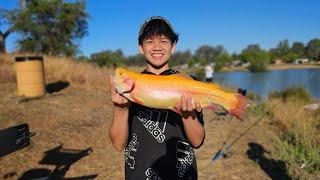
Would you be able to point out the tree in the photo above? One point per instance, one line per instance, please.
(178, 58)
(222, 60)
(51, 27)
(208, 53)
(5, 16)
(257, 58)
(6, 19)
(252, 48)
(108, 58)
(281, 51)
(136, 60)
(298, 49)
(283, 47)
(313, 49)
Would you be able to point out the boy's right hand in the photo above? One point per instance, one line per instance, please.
(116, 98)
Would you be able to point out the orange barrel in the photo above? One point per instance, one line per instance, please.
(30, 76)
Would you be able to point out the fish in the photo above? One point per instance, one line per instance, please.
(164, 92)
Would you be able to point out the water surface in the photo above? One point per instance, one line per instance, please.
(263, 83)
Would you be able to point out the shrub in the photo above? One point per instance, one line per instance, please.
(197, 74)
(298, 93)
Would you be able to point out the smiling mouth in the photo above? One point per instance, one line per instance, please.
(157, 55)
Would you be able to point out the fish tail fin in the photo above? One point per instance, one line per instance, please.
(240, 107)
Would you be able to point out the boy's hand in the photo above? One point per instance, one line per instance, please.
(116, 98)
(186, 106)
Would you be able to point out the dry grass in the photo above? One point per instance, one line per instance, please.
(7, 73)
(64, 119)
(298, 136)
(77, 73)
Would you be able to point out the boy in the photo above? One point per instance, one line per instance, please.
(158, 142)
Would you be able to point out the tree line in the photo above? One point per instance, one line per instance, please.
(55, 27)
(253, 55)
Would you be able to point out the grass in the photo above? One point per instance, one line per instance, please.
(299, 133)
(7, 73)
(297, 137)
(292, 93)
(77, 73)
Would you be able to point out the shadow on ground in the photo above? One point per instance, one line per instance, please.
(62, 159)
(276, 169)
(57, 86)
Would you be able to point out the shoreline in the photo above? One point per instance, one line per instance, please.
(273, 67)
(292, 66)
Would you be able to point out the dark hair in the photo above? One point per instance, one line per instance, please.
(156, 26)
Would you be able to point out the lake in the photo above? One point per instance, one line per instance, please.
(263, 83)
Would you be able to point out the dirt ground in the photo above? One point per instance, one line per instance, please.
(77, 119)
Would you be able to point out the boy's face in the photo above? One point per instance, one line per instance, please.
(157, 50)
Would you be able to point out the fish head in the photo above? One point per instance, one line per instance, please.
(122, 81)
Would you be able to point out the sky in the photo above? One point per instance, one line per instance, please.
(114, 24)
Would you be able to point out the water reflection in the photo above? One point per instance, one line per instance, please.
(265, 82)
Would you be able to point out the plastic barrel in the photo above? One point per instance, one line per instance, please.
(30, 76)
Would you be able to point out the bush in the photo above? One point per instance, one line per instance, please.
(257, 66)
(298, 93)
(197, 74)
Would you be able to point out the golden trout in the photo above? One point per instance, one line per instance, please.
(163, 92)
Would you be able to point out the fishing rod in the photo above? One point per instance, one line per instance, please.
(226, 152)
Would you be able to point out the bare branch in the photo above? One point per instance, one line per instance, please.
(9, 31)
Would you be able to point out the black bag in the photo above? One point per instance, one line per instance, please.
(14, 138)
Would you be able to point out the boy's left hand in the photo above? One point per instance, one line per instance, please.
(185, 105)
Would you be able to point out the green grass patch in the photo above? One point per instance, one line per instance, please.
(300, 145)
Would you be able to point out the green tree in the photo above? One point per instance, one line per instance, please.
(313, 49)
(246, 53)
(208, 53)
(108, 58)
(180, 57)
(298, 49)
(234, 56)
(191, 62)
(83, 58)
(136, 60)
(222, 60)
(281, 51)
(257, 58)
(6, 26)
(290, 57)
(51, 27)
